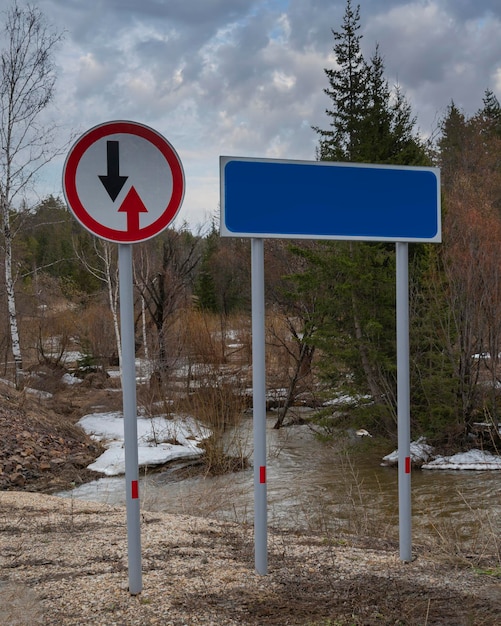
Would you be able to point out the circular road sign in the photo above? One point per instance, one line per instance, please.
(123, 181)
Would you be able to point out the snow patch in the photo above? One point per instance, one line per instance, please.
(420, 452)
(159, 440)
(471, 460)
(69, 379)
(423, 455)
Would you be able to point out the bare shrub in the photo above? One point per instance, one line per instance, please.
(215, 392)
(203, 383)
(290, 362)
(217, 339)
(48, 322)
(279, 342)
(204, 341)
(219, 404)
(96, 334)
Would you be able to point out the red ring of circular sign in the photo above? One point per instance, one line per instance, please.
(78, 209)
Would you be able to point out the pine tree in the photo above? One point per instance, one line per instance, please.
(204, 288)
(407, 147)
(347, 90)
(372, 124)
(459, 308)
(491, 112)
(369, 122)
(375, 127)
(452, 143)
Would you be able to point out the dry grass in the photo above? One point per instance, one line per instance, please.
(219, 404)
(478, 547)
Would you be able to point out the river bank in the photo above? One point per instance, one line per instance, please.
(64, 562)
(311, 485)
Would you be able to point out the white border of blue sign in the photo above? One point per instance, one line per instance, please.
(275, 198)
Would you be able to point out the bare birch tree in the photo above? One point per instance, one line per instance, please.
(106, 254)
(163, 273)
(26, 89)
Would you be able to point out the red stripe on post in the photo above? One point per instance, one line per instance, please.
(407, 464)
(262, 474)
(135, 489)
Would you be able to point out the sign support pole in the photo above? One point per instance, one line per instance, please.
(130, 416)
(403, 402)
(259, 407)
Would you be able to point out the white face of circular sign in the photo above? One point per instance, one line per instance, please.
(144, 167)
(123, 181)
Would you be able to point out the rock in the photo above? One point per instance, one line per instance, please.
(17, 479)
(37, 447)
(79, 460)
(30, 462)
(57, 461)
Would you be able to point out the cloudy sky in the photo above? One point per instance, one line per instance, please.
(246, 77)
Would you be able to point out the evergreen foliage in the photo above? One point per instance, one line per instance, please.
(369, 122)
(47, 243)
(205, 284)
(374, 124)
(467, 268)
(453, 306)
(491, 113)
(219, 283)
(347, 89)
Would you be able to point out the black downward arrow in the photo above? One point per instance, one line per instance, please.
(113, 182)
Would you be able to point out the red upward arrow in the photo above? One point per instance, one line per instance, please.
(133, 206)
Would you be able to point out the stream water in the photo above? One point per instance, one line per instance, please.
(317, 486)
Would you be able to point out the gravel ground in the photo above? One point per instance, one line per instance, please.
(64, 562)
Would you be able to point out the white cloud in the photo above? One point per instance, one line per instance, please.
(497, 80)
(92, 75)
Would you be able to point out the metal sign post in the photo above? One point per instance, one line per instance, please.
(403, 402)
(130, 416)
(124, 182)
(259, 406)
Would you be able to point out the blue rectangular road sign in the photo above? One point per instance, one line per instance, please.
(270, 198)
